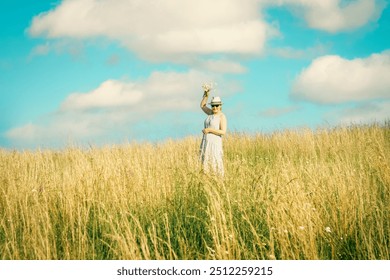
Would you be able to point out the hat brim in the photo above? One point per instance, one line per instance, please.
(216, 103)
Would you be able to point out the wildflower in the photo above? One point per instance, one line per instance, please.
(207, 87)
(327, 229)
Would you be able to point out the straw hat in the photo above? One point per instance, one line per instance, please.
(216, 101)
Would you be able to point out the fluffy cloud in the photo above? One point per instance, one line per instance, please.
(367, 113)
(59, 131)
(333, 79)
(331, 16)
(160, 29)
(277, 112)
(291, 53)
(160, 92)
(115, 107)
(222, 66)
(334, 15)
(111, 93)
(361, 113)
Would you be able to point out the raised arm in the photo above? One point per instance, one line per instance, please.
(203, 103)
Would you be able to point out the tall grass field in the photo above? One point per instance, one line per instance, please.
(291, 195)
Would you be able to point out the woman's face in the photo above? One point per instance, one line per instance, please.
(216, 108)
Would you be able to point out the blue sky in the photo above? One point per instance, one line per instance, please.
(107, 72)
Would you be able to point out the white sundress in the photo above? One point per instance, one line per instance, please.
(211, 153)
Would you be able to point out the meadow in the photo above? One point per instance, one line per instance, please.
(291, 195)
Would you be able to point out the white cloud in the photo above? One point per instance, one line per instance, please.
(159, 29)
(111, 93)
(161, 91)
(115, 107)
(361, 113)
(334, 15)
(223, 66)
(175, 30)
(73, 47)
(41, 50)
(60, 130)
(27, 132)
(291, 53)
(277, 112)
(333, 79)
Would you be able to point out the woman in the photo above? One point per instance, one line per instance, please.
(211, 153)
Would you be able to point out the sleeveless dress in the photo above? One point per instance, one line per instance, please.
(211, 153)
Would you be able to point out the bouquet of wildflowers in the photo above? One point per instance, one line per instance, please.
(207, 87)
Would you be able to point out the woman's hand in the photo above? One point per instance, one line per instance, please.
(206, 131)
(206, 90)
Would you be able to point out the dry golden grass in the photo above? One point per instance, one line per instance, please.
(290, 195)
